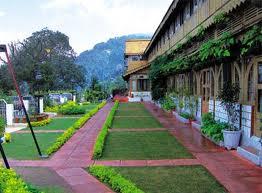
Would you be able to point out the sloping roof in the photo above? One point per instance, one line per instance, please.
(228, 6)
(136, 66)
(136, 46)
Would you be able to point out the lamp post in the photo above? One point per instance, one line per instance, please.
(11, 71)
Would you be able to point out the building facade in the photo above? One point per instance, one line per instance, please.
(202, 44)
(136, 74)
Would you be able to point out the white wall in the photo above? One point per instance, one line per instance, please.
(146, 96)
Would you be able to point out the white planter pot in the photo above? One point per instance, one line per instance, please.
(231, 139)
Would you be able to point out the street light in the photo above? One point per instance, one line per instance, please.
(11, 70)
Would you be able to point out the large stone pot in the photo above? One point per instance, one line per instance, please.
(231, 139)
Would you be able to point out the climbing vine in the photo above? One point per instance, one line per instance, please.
(212, 50)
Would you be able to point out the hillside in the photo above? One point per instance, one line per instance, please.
(105, 60)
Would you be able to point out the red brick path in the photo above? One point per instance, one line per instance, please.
(75, 155)
(235, 173)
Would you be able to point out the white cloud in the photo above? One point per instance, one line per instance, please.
(88, 22)
(2, 13)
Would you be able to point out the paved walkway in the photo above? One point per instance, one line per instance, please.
(235, 173)
(75, 155)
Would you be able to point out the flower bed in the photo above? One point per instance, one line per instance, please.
(99, 145)
(113, 179)
(60, 141)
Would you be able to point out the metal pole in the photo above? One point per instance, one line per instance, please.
(4, 157)
(11, 70)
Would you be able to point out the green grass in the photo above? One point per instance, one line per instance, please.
(141, 112)
(130, 106)
(58, 124)
(135, 122)
(143, 145)
(22, 145)
(179, 179)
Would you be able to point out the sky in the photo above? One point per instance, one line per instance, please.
(86, 22)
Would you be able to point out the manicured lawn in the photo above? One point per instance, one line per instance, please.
(135, 122)
(143, 145)
(22, 145)
(141, 112)
(179, 179)
(90, 106)
(130, 106)
(58, 124)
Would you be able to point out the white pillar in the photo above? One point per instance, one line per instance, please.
(41, 105)
(9, 114)
(74, 97)
(26, 103)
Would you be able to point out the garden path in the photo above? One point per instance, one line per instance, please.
(235, 173)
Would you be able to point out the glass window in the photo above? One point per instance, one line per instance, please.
(187, 12)
(260, 101)
(143, 85)
(134, 85)
(260, 72)
(177, 26)
(250, 90)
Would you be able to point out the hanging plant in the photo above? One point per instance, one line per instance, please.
(252, 40)
(221, 20)
(217, 48)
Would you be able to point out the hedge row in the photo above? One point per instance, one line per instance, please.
(115, 180)
(10, 182)
(99, 145)
(60, 141)
(41, 123)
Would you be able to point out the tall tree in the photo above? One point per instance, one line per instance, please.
(46, 61)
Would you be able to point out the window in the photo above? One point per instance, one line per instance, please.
(177, 25)
(250, 89)
(195, 5)
(186, 12)
(260, 72)
(134, 85)
(143, 85)
(260, 101)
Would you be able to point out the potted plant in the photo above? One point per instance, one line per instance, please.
(229, 97)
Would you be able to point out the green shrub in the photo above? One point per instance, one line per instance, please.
(41, 123)
(118, 183)
(187, 116)
(85, 103)
(54, 109)
(99, 145)
(71, 108)
(168, 103)
(2, 126)
(11, 183)
(60, 141)
(212, 128)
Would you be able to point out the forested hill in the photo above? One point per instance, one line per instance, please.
(106, 60)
